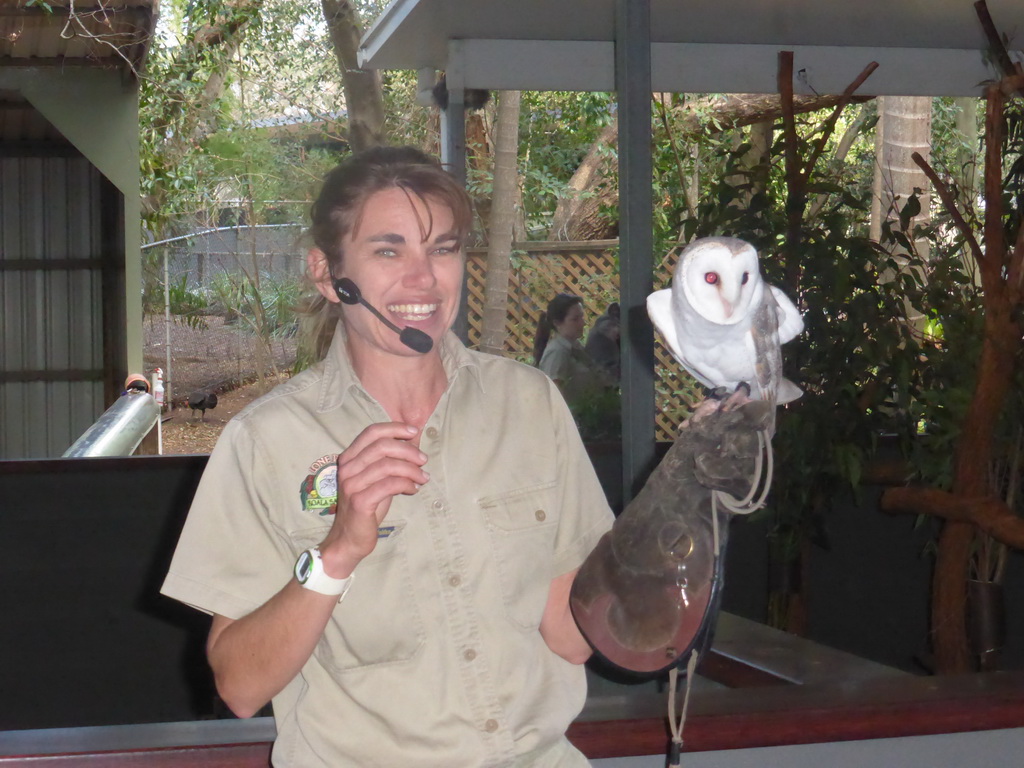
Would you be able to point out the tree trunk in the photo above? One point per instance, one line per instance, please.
(966, 171)
(502, 222)
(904, 127)
(720, 113)
(578, 205)
(363, 99)
(480, 155)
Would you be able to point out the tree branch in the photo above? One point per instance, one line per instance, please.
(1015, 273)
(988, 514)
(785, 85)
(830, 124)
(946, 195)
(995, 247)
(995, 42)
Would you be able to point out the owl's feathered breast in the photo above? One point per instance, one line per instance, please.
(712, 352)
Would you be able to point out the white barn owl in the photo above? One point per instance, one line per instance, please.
(723, 323)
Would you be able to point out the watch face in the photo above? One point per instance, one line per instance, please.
(304, 567)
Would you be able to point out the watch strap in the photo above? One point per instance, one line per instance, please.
(310, 573)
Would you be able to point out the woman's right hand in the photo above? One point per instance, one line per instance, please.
(381, 463)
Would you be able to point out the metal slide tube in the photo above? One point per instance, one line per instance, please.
(119, 429)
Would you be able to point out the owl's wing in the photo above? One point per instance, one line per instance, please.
(790, 322)
(764, 331)
(779, 323)
(659, 309)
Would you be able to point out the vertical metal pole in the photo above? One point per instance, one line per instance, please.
(633, 85)
(167, 333)
(453, 154)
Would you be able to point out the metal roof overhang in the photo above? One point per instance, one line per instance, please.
(923, 47)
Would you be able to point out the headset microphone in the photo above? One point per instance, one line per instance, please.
(349, 293)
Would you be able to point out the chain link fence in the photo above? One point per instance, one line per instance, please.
(219, 306)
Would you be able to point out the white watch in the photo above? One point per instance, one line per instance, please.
(310, 573)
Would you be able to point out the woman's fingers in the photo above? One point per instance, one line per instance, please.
(380, 464)
(378, 443)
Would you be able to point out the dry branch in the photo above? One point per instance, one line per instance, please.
(995, 42)
(948, 200)
(797, 173)
(830, 124)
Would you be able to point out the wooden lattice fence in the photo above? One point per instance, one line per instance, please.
(591, 271)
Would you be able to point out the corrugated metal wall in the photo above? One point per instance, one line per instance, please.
(51, 303)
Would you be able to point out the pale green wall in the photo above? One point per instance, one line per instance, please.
(98, 112)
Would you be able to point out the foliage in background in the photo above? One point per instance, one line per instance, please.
(556, 130)
(264, 304)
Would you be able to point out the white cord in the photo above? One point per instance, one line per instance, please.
(743, 506)
(746, 505)
(675, 753)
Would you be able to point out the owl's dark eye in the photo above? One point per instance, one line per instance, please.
(746, 276)
(710, 278)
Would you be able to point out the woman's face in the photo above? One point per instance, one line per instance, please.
(406, 259)
(571, 326)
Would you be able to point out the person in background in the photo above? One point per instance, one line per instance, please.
(387, 541)
(603, 341)
(558, 352)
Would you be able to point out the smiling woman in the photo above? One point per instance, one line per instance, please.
(405, 254)
(389, 520)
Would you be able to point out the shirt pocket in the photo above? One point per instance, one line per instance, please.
(521, 526)
(378, 622)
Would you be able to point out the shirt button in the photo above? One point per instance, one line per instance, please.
(455, 579)
(491, 726)
(469, 654)
(540, 515)
(431, 432)
(437, 505)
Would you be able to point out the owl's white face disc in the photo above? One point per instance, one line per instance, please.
(720, 278)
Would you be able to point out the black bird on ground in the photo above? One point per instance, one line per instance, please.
(201, 401)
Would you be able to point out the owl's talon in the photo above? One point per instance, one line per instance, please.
(740, 396)
(704, 408)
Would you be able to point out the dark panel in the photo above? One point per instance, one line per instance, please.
(87, 638)
(115, 342)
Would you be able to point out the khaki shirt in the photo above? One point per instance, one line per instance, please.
(434, 657)
(569, 364)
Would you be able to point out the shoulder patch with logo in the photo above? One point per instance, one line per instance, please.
(319, 491)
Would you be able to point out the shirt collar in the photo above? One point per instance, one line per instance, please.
(340, 379)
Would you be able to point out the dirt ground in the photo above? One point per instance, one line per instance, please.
(184, 432)
(211, 357)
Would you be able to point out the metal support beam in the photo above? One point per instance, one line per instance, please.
(636, 214)
(453, 152)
